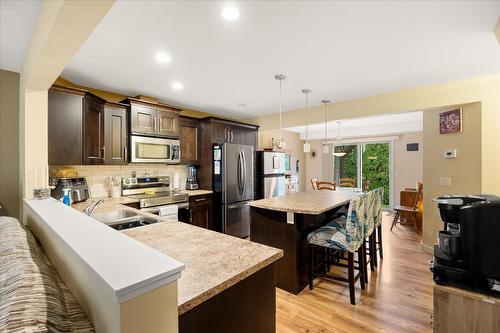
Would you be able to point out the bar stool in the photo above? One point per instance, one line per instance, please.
(342, 234)
(378, 198)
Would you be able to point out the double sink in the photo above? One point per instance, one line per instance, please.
(124, 219)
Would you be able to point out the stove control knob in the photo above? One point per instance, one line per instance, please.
(134, 181)
(127, 181)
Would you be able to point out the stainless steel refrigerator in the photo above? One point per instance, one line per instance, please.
(270, 174)
(233, 186)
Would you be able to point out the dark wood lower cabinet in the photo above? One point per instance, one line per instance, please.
(201, 211)
(247, 307)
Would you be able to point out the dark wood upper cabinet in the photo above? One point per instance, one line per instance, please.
(115, 134)
(93, 130)
(190, 138)
(142, 119)
(168, 123)
(220, 132)
(65, 126)
(152, 118)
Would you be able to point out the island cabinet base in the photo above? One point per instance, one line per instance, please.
(247, 307)
(270, 227)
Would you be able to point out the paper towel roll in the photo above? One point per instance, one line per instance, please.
(176, 183)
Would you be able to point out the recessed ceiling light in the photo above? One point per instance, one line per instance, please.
(162, 57)
(177, 86)
(230, 13)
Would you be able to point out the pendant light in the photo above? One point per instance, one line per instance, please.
(325, 145)
(341, 151)
(307, 145)
(281, 141)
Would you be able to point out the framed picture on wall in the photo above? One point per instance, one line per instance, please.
(450, 121)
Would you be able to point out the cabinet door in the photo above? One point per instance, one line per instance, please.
(65, 128)
(143, 119)
(237, 135)
(115, 135)
(201, 211)
(190, 140)
(168, 123)
(251, 137)
(93, 130)
(220, 132)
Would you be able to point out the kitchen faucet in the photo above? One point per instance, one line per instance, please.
(89, 210)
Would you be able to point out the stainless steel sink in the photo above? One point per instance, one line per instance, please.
(124, 219)
(115, 216)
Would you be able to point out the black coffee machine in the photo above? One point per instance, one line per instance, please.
(468, 251)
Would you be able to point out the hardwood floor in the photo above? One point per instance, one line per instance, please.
(398, 297)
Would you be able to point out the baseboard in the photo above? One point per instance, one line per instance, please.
(427, 248)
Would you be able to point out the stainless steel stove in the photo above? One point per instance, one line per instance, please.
(153, 193)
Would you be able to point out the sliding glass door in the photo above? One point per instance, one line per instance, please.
(364, 165)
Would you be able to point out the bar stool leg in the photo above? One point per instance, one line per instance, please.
(379, 234)
(350, 273)
(362, 266)
(311, 266)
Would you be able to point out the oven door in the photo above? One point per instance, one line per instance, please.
(153, 150)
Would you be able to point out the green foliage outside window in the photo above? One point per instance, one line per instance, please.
(376, 167)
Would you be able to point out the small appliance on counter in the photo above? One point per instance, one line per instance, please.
(78, 188)
(191, 181)
(467, 254)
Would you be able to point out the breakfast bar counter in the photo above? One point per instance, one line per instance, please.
(284, 222)
(220, 270)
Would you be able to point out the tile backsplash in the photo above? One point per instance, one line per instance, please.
(97, 175)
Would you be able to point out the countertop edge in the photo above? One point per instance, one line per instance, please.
(199, 299)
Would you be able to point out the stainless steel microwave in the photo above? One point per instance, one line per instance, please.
(154, 150)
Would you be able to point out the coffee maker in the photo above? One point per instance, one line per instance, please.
(468, 253)
(191, 181)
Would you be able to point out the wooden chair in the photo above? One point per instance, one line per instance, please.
(347, 182)
(366, 186)
(314, 182)
(323, 185)
(412, 210)
(343, 234)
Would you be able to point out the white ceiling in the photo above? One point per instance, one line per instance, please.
(388, 124)
(17, 21)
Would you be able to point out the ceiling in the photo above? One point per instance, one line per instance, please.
(388, 124)
(341, 50)
(17, 22)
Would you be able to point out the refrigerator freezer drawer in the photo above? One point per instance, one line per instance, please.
(274, 186)
(237, 219)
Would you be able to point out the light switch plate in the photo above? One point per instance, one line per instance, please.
(445, 181)
(450, 153)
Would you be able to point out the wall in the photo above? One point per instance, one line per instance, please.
(482, 89)
(293, 146)
(9, 143)
(408, 165)
(315, 164)
(465, 170)
(98, 174)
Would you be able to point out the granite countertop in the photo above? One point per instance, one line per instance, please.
(310, 202)
(213, 261)
(193, 193)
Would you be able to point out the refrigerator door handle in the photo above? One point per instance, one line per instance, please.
(244, 172)
(239, 173)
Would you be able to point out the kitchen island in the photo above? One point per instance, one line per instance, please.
(284, 222)
(227, 285)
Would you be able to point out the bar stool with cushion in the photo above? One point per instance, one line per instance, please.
(342, 234)
(377, 198)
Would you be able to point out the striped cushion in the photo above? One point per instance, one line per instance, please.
(33, 297)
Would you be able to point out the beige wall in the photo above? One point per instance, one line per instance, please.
(482, 89)
(151, 312)
(465, 170)
(9, 143)
(314, 166)
(293, 146)
(408, 165)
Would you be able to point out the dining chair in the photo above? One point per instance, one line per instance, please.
(347, 182)
(314, 182)
(344, 234)
(413, 210)
(324, 185)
